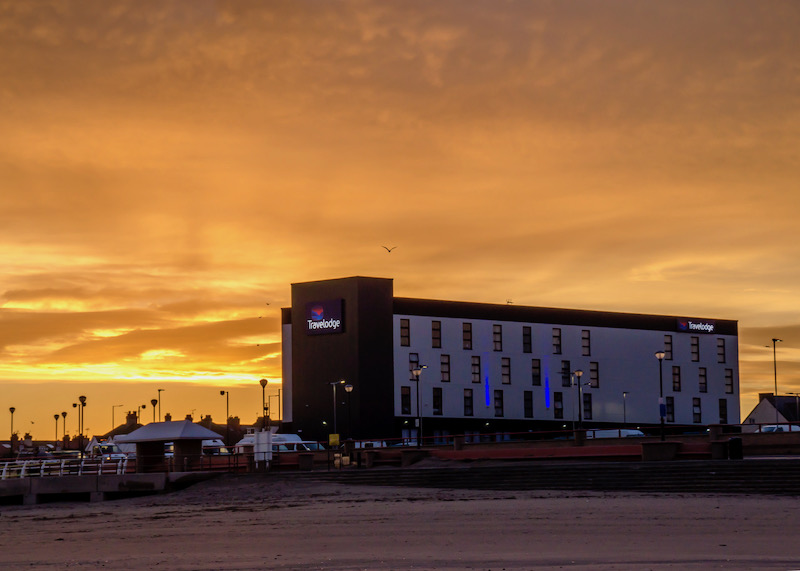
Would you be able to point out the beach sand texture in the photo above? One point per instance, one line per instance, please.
(265, 522)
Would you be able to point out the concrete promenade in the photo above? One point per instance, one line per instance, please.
(33, 490)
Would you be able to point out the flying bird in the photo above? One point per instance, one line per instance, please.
(389, 249)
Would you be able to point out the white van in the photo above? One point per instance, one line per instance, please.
(778, 428)
(614, 433)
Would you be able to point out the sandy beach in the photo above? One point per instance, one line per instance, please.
(264, 522)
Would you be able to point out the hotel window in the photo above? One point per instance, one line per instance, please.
(703, 377)
(556, 341)
(566, 378)
(413, 363)
(695, 349)
(498, 403)
(527, 339)
(527, 398)
(405, 400)
(676, 378)
(436, 334)
(670, 409)
(476, 369)
(558, 405)
(536, 372)
(445, 365)
(586, 343)
(505, 370)
(697, 413)
(729, 381)
(587, 406)
(405, 333)
(497, 337)
(723, 411)
(720, 350)
(437, 401)
(467, 402)
(466, 335)
(594, 374)
(668, 347)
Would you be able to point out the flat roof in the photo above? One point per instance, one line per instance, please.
(553, 316)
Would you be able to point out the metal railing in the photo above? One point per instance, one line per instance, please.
(72, 467)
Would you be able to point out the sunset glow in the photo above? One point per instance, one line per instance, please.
(168, 169)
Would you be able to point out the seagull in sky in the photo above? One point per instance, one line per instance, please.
(389, 249)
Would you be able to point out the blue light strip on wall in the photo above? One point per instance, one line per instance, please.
(547, 391)
(486, 387)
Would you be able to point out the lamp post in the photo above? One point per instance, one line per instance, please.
(335, 384)
(82, 400)
(349, 389)
(263, 383)
(624, 408)
(55, 442)
(154, 402)
(578, 374)
(113, 406)
(139, 410)
(662, 408)
(775, 371)
(159, 403)
(417, 371)
(227, 416)
(64, 417)
(11, 409)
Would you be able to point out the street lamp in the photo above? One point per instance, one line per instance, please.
(624, 408)
(578, 374)
(775, 370)
(662, 408)
(139, 410)
(227, 416)
(154, 402)
(11, 409)
(56, 440)
(159, 403)
(417, 371)
(263, 383)
(113, 406)
(82, 400)
(64, 416)
(349, 389)
(335, 384)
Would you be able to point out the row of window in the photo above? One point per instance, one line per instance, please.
(558, 405)
(567, 374)
(527, 340)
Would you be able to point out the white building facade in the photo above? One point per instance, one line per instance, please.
(487, 368)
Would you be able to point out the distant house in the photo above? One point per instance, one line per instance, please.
(772, 410)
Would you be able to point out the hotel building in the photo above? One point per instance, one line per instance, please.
(476, 368)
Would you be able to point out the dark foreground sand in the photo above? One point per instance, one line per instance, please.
(258, 522)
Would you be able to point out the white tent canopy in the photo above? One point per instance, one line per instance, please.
(169, 432)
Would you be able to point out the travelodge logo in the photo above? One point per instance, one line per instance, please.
(696, 326)
(324, 317)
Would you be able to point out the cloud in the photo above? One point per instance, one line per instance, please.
(168, 168)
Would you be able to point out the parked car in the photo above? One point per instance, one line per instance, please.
(614, 433)
(778, 428)
(107, 451)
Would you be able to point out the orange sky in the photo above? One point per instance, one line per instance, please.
(168, 169)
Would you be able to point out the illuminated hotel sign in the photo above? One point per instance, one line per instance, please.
(695, 326)
(324, 317)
